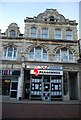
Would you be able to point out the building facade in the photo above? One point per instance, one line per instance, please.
(41, 64)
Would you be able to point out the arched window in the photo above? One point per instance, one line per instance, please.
(57, 34)
(38, 53)
(12, 33)
(64, 55)
(33, 32)
(10, 53)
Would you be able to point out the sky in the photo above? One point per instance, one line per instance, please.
(17, 11)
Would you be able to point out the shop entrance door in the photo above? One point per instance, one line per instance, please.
(46, 88)
(13, 89)
(6, 87)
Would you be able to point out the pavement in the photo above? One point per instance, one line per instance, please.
(7, 99)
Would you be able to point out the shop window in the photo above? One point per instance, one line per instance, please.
(38, 53)
(10, 53)
(64, 55)
(36, 87)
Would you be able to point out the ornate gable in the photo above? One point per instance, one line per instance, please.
(50, 16)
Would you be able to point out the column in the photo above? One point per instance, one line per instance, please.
(66, 96)
(20, 85)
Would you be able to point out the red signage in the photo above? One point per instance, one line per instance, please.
(36, 71)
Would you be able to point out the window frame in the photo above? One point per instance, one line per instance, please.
(55, 35)
(44, 35)
(59, 57)
(7, 57)
(69, 35)
(12, 33)
(33, 34)
(41, 57)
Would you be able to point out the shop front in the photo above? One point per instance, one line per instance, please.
(45, 83)
(9, 82)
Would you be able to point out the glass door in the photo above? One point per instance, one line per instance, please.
(46, 88)
(13, 89)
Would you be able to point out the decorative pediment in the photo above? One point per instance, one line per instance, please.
(13, 25)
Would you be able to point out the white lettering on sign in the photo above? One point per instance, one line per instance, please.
(46, 67)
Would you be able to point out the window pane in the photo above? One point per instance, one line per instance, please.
(10, 49)
(37, 54)
(44, 56)
(70, 56)
(14, 54)
(57, 57)
(5, 52)
(69, 35)
(44, 51)
(9, 53)
(64, 56)
(33, 32)
(45, 33)
(31, 55)
(12, 33)
(58, 34)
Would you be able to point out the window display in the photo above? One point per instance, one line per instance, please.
(46, 87)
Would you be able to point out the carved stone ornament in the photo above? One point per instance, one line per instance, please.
(10, 45)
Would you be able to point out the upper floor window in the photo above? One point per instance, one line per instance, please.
(64, 55)
(57, 34)
(38, 53)
(33, 32)
(12, 33)
(68, 34)
(51, 18)
(10, 53)
(45, 33)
